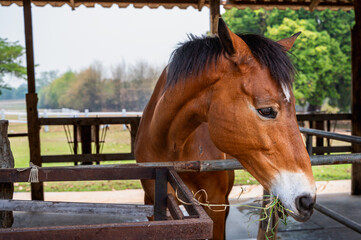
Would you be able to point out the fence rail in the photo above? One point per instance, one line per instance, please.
(234, 164)
(330, 135)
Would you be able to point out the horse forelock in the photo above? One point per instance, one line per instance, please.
(198, 53)
(272, 55)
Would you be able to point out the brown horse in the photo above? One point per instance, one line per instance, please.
(229, 94)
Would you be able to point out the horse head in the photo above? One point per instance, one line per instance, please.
(251, 116)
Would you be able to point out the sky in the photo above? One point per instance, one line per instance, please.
(73, 40)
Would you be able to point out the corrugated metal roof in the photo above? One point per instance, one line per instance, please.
(240, 4)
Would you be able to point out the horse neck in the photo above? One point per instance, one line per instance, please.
(172, 116)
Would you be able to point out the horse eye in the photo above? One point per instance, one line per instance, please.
(267, 112)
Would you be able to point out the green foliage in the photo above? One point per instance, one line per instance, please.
(85, 92)
(317, 57)
(50, 95)
(322, 53)
(10, 60)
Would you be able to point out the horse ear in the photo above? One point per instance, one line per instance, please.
(287, 43)
(231, 43)
(224, 35)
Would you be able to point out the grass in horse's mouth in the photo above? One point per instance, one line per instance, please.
(274, 206)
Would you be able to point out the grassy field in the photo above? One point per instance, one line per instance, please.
(117, 140)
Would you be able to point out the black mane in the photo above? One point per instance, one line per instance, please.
(195, 56)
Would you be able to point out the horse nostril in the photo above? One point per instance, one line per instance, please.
(304, 203)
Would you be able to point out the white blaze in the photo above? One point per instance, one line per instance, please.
(290, 185)
(286, 91)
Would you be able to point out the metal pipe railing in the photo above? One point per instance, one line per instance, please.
(336, 136)
(233, 164)
(338, 217)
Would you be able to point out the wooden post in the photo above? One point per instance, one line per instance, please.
(37, 190)
(320, 125)
(214, 15)
(75, 141)
(271, 234)
(86, 141)
(328, 123)
(97, 140)
(309, 144)
(134, 125)
(6, 161)
(160, 194)
(356, 97)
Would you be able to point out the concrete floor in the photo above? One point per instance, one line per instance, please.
(319, 227)
(240, 223)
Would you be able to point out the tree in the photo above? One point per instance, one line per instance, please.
(45, 79)
(317, 57)
(10, 60)
(50, 95)
(86, 92)
(128, 88)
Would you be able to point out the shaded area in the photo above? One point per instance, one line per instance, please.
(317, 228)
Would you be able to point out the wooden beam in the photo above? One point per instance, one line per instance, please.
(89, 120)
(37, 190)
(214, 15)
(172, 229)
(78, 208)
(323, 116)
(201, 4)
(29, 46)
(80, 173)
(87, 157)
(356, 97)
(314, 4)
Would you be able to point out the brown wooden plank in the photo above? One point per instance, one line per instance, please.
(76, 207)
(172, 229)
(87, 157)
(323, 116)
(88, 120)
(356, 97)
(80, 173)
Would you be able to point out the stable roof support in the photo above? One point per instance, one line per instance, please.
(356, 97)
(37, 190)
(214, 6)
